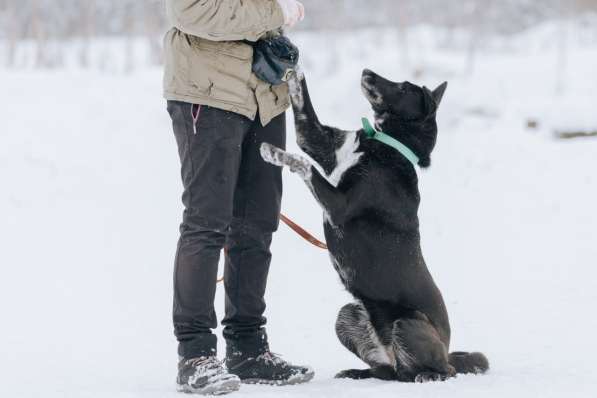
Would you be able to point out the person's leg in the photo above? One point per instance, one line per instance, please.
(256, 212)
(209, 142)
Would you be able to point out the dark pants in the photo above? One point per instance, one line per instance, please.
(232, 201)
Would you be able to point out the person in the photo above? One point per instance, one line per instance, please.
(221, 113)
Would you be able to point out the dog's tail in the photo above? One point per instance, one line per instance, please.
(469, 362)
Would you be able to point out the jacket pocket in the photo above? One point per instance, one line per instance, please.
(221, 70)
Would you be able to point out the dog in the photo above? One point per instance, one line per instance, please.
(368, 189)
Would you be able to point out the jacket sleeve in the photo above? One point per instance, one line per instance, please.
(223, 20)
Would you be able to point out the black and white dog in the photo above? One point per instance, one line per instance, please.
(368, 190)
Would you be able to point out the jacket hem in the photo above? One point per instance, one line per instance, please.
(276, 112)
(227, 106)
(200, 100)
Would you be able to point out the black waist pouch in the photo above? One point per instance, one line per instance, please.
(275, 59)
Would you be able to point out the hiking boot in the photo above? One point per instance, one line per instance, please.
(205, 376)
(267, 368)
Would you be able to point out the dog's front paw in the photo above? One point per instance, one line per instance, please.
(297, 77)
(271, 154)
(278, 157)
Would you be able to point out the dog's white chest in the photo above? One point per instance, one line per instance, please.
(346, 157)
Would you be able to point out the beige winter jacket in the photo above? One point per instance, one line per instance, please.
(207, 63)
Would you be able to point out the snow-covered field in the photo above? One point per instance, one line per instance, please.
(90, 205)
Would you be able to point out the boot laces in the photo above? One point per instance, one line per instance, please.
(271, 358)
(204, 363)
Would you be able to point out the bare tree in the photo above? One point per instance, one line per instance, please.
(562, 52)
(153, 28)
(12, 36)
(46, 22)
(403, 17)
(129, 26)
(88, 30)
(475, 21)
(38, 33)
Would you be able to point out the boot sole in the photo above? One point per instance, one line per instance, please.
(222, 388)
(298, 379)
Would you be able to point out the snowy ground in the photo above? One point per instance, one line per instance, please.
(89, 203)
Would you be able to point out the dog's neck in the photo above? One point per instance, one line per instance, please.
(418, 134)
(378, 135)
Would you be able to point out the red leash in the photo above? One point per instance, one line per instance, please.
(304, 234)
(301, 232)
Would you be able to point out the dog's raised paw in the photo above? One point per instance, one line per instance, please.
(278, 157)
(271, 154)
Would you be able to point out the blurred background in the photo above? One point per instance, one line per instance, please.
(41, 33)
(90, 194)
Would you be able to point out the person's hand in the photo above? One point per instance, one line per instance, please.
(294, 11)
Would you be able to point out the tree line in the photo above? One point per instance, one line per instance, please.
(45, 21)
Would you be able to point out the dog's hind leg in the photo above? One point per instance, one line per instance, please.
(356, 332)
(420, 353)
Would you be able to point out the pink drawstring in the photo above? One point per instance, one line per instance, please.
(195, 112)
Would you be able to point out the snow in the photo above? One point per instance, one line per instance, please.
(90, 204)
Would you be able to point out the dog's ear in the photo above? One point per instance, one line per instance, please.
(430, 104)
(438, 93)
(434, 98)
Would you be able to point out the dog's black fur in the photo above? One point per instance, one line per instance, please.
(399, 325)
